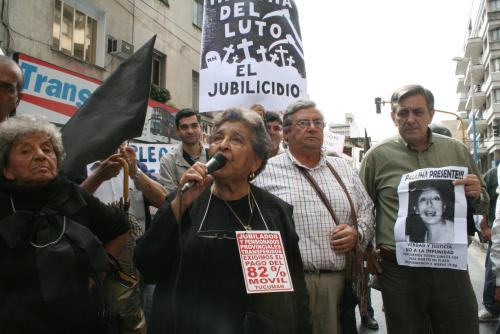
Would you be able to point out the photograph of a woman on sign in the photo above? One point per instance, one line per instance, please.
(431, 213)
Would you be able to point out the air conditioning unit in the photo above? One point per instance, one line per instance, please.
(119, 48)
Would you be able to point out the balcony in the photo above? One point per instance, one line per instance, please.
(460, 86)
(479, 99)
(461, 104)
(482, 151)
(476, 72)
(493, 15)
(492, 82)
(461, 67)
(481, 126)
(492, 143)
(473, 47)
(492, 112)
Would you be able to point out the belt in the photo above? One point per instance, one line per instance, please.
(320, 271)
(388, 254)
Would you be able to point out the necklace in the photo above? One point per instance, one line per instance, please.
(247, 226)
(49, 243)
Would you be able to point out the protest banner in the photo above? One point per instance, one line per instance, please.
(263, 260)
(333, 142)
(251, 53)
(431, 228)
(150, 154)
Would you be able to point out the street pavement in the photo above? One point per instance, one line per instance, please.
(476, 270)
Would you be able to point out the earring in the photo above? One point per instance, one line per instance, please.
(251, 176)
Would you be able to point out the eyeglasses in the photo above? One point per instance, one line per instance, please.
(305, 123)
(405, 113)
(217, 234)
(8, 88)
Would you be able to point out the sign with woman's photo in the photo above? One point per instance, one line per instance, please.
(252, 52)
(431, 228)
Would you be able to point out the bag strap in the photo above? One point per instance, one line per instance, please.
(320, 192)
(323, 197)
(354, 217)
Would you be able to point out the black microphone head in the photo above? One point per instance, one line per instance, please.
(216, 162)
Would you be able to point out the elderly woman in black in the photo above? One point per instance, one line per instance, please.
(50, 236)
(191, 252)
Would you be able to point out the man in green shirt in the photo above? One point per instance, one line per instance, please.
(417, 299)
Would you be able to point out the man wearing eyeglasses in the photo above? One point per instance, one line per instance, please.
(11, 85)
(190, 150)
(274, 126)
(419, 299)
(324, 240)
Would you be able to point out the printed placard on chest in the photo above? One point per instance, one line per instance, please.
(263, 260)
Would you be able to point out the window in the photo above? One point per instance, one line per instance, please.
(495, 34)
(74, 32)
(495, 5)
(158, 69)
(198, 13)
(497, 95)
(196, 91)
(496, 65)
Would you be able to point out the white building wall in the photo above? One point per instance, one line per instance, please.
(484, 20)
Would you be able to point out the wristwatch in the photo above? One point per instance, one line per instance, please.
(137, 174)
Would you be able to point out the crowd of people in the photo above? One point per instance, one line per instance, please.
(57, 239)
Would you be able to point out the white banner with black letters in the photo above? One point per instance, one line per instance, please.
(251, 53)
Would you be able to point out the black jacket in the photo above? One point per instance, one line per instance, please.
(210, 295)
(45, 290)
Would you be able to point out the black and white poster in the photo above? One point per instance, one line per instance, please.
(252, 52)
(431, 228)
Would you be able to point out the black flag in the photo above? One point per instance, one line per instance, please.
(115, 112)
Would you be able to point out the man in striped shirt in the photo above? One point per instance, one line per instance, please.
(323, 242)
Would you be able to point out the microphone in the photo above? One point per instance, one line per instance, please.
(215, 163)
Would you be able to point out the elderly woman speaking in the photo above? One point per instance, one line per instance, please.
(192, 254)
(50, 236)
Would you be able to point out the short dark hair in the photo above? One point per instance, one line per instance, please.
(440, 129)
(445, 189)
(183, 113)
(272, 116)
(411, 90)
(12, 62)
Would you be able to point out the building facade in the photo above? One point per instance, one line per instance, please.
(478, 71)
(354, 143)
(348, 129)
(93, 37)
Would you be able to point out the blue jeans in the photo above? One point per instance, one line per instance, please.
(489, 286)
(369, 307)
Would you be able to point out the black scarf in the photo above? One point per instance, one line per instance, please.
(39, 217)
